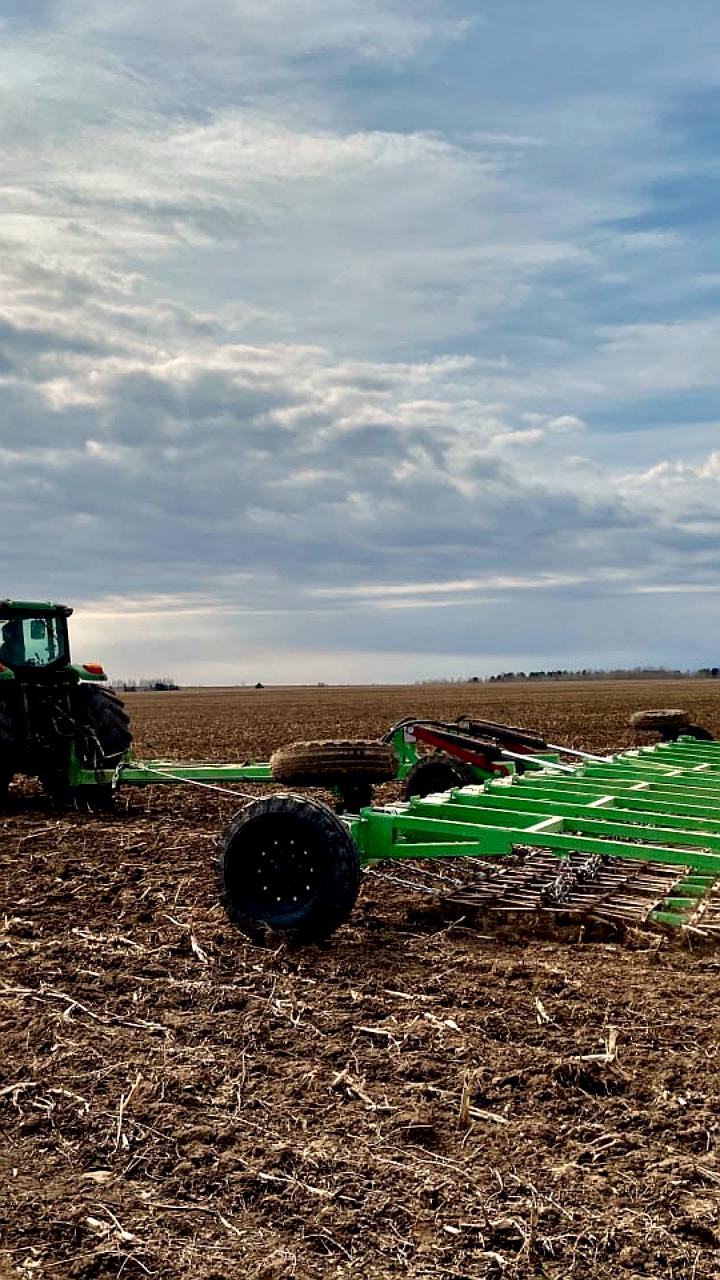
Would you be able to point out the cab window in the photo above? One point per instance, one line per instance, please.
(30, 642)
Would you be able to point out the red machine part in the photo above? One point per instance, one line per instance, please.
(483, 755)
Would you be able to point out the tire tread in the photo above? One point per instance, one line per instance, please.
(341, 867)
(328, 761)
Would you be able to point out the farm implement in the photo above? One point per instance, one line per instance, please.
(535, 826)
(630, 837)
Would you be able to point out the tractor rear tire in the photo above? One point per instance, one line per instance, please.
(101, 738)
(315, 763)
(7, 748)
(288, 864)
(102, 727)
(436, 772)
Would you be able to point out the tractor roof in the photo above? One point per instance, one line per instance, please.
(33, 606)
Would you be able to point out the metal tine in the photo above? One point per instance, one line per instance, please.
(624, 891)
(544, 764)
(581, 755)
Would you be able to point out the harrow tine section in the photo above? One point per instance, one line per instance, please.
(633, 837)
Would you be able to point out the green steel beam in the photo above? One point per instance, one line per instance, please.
(159, 772)
(145, 773)
(658, 804)
(654, 797)
(618, 782)
(380, 835)
(691, 784)
(611, 811)
(616, 829)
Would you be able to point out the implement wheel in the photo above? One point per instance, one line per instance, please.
(436, 772)
(7, 746)
(660, 720)
(330, 762)
(287, 863)
(695, 731)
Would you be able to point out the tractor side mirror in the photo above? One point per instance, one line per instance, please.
(38, 629)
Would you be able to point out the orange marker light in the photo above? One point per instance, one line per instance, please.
(93, 668)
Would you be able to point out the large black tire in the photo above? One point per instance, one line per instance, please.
(101, 737)
(694, 731)
(102, 727)
(288, 864)
(436, 772)
(7, 751)
(330, 762)
(660, 720)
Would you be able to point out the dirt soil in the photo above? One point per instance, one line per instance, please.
(418, 1097)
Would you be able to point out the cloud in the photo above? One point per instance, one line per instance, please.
(318, 324)
(307, 474)
(284, 29)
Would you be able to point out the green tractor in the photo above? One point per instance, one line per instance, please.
(57, 719)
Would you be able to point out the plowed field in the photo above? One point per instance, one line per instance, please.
(415, 1098)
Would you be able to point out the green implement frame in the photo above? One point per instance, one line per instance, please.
(153, 772)
(651, 806)
(145, 773)
(658, 804)
(633, 837)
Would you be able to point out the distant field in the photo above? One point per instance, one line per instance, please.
(253, 722)
(417, 1098)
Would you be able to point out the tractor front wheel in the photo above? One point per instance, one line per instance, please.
(287, 863)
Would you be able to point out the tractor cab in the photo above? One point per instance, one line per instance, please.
(56, 718)
(35, 647)
(33, 638)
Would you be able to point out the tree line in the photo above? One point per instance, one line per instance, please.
(149, 685)
(588, 673)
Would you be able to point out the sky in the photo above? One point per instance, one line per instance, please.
(358, 343)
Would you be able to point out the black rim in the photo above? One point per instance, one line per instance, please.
(280, 868)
